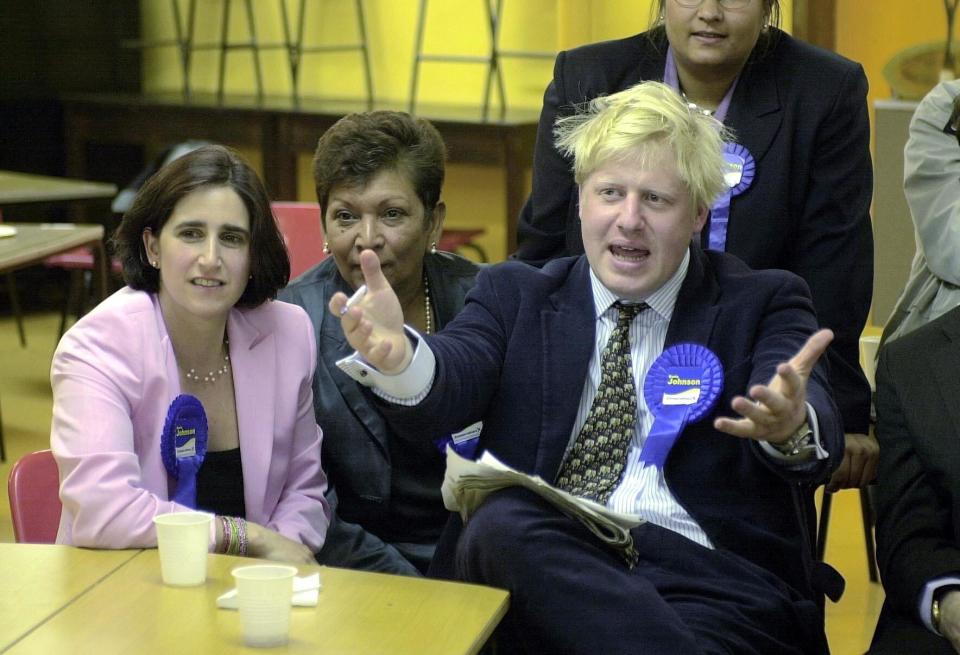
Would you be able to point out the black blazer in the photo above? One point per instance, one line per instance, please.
(802, 113)
(918, 490)
(358, 443)
(517, 355)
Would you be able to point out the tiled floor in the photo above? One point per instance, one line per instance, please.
(26, 401)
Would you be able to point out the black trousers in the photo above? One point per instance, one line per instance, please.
(570, 593)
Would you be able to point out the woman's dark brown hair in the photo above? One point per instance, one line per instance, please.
(359, 146)
(207, 166)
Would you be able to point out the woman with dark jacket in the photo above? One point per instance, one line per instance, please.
(378, 177)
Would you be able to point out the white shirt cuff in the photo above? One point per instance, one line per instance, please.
(818, 452)
(926, 599)
(409, 386)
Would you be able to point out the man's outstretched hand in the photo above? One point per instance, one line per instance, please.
(774, 411)
(374, 325)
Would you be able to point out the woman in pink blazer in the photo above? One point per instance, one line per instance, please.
(202, 259)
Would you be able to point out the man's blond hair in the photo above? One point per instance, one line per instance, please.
(636, 123)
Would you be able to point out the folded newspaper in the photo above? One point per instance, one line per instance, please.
(467, 484)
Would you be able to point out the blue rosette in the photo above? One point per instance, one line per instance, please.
(739, 169)
(464, 442)
(183, 445)
(682, 386)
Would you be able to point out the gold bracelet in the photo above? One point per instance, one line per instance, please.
(935, 615)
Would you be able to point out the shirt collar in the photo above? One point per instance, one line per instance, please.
(661, 301)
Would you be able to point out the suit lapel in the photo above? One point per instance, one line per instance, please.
(696, 308)
(652, 59)
(253, 355)
(944, 360)
(755, 112)
(568, 327)
(170, 379)
(332, 346)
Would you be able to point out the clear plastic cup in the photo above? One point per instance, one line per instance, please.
(182, 538)
(264, 595)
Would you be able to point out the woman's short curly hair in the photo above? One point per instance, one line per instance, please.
(359, 146)
(208, 166)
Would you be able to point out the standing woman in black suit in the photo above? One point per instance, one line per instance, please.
(800, 171)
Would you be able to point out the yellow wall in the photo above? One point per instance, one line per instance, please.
(874, 36)
(474, 195)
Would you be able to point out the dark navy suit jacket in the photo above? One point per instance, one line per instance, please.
(918, 490)
(517, 358)
(802, 113)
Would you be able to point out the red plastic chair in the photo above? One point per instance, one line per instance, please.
(454, 240)
(302, 230)
(34, 491)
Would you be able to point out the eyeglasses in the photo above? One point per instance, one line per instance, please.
(725, 4)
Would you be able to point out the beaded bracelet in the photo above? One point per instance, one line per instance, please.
(225, 542)
(241, 537)
(234, 536)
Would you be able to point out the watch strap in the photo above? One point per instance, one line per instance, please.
(798, 443)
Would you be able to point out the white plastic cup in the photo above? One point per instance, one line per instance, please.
(182, 538)
(264, 596)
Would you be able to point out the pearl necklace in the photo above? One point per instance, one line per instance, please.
(212, 376)
(692, 106)
(426, 304)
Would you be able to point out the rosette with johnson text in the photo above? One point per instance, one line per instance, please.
(681, 387)
(183, 446)
(739, 169)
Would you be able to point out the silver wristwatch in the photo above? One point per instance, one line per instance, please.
(799, 443)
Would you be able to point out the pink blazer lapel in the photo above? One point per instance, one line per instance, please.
(254, 361)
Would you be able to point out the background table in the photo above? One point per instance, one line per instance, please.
(281, 129)
(131, 611)
(34, 242)
(17, 188)
(39, 581)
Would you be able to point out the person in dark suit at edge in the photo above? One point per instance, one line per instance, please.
(800, 128)
(918, 491)
(723, 563)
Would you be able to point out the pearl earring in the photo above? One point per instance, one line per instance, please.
(155, 264)
(326, 247)
(433, 248)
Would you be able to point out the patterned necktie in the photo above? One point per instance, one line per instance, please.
(594, 464)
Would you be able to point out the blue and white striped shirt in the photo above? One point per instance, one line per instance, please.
(642, 489)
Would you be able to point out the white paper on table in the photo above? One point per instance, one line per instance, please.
(306, 593)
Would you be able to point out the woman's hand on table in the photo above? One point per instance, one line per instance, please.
(268, 544)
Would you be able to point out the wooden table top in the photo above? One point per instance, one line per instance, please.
(39, 581)
(34, 242)
(358, 613)
(24, 188)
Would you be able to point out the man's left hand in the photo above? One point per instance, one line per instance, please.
(861, 454)
(950, 618)
(774, 411)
